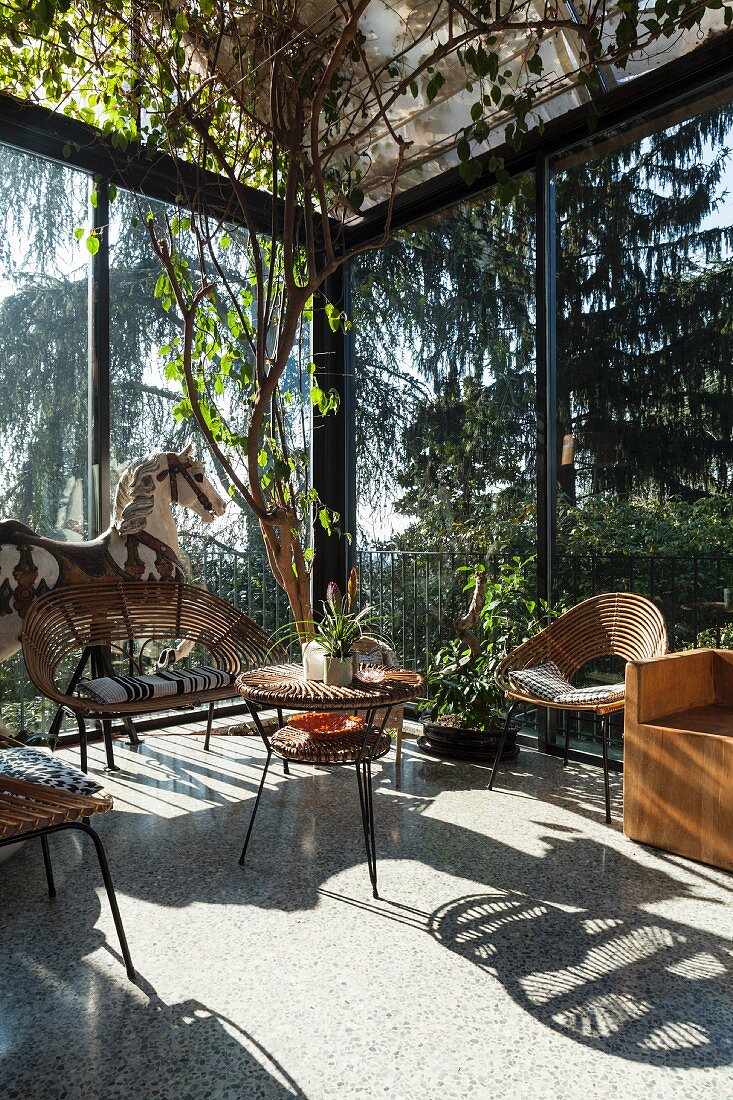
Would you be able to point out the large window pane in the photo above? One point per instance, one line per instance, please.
(644, 352)
(43, 370)
(445, 384)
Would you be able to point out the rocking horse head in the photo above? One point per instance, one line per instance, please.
(161, 479)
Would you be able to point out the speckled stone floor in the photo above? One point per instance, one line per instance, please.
(521, 947)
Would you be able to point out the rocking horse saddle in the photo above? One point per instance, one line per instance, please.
(90, 557)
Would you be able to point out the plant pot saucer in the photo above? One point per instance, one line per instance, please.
(458, 753)
(456, 743)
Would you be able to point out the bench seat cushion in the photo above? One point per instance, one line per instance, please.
(45, 770)
(108, 690)
(546, 681)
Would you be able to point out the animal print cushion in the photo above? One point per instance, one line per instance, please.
(547, 682)
(37, 766)
(132, 689)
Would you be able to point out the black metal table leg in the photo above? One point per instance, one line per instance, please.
(260, 729)
(254, 809)
(280, 724)
(367, 821)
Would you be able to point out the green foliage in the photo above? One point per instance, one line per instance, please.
(461, 684)
(445, 344)
(339, 628)
(713, 639)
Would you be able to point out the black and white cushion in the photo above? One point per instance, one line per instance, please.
(546, 681)
(133, 689)
(36, 766)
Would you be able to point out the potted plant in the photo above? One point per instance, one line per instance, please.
(330, 653)
(465, 710)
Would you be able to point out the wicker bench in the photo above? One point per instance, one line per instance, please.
(83, 621)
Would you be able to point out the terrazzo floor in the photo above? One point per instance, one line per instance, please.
(521, 948)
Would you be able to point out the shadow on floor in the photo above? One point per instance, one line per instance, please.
(631, 985)
(568, 929)
(75, 1029)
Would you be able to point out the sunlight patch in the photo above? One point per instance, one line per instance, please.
(601, 1017)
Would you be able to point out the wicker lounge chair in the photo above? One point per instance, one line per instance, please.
(89, 619)
(615, 624)
(31, 807)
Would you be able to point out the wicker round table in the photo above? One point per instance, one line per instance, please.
(331, 738)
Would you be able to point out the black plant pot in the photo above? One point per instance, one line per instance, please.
(457, 742)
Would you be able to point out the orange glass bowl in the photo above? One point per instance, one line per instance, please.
(325, 724)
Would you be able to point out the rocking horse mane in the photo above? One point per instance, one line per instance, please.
(135, 495)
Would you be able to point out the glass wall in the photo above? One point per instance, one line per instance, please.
(43, 375)
(644, 385)
(445, 411)
(228, 555)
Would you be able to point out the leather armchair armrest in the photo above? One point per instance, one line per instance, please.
(664, 685)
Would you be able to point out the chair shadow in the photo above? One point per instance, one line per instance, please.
(629, 984)
(70, 1028)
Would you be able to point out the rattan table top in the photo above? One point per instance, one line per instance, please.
(284, 686)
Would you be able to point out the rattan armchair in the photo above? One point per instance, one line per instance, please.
(31, 810)
(104, 617)
(615, 624)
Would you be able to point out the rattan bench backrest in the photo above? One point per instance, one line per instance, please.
(68, 619)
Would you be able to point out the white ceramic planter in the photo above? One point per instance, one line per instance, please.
(313, 655)
(338, 671)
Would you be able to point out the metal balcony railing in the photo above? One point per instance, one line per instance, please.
(420, 593)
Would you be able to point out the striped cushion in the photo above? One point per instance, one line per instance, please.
(133, 689)
(547, 682)
(39, 767)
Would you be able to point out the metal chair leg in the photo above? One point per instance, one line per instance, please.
(209, 723)
(82, 742)
(502, 742)
(605, 729)
(49, 868)
(107, 733)
(109, 887)
(257, 802)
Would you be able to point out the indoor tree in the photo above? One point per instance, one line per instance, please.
(308, 103)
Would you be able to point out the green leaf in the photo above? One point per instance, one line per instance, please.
(93, 244)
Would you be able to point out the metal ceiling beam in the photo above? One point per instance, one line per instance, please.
(77, 145)
(685, 77)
